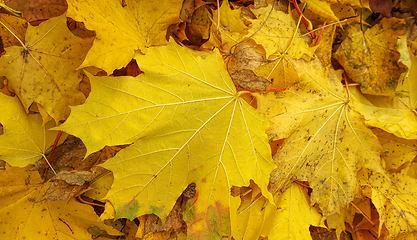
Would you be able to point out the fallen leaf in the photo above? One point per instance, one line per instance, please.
(44, 70)
(324, 49)
(390, 115)
(230, 19)
(214, 138)
(198, 30)
(407, 89)
(24, 217)
(397, 153)
(289, 219)
(371, 58)
(321, 8)
(327, 142)
(231, 31)
(122, 30)
(72, 152)
(24, 140)
(34, 10)
(248, 80)
(275, 34)
(280, 72)
(395, 200)
(61, 190)
(75, 177)
(241, 64)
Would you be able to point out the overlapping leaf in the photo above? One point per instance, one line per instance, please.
(371, 58)
(24, 140)
(276, 32)
(327, 142)
(188, 124)
(44, 71)
(121, 30)
(397, 153)
(289, 219)
(395, 199)
(25, 218)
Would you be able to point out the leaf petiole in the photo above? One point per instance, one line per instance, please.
(267, 90)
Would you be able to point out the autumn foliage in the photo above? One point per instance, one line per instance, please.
(184, 119)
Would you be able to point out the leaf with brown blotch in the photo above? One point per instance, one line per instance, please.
(43, 71)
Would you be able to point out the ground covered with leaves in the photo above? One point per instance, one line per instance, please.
(207, 119)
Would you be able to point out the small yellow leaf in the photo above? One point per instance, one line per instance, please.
(371, 58)
(321, 8)
(390, 115)
(397, 153)
(24, 140)
(44, 71)
(289, 219)
(230, 19)
(395, 200)
(25, 218)
(275, 34)
(123, 30)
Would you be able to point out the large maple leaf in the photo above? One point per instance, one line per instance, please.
(327, 141)
(188, 124)
(121, 29)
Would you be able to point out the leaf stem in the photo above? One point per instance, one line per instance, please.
(267, 90)
(18, 39)
(294, 2)
(364, 214)
(218, 17)
(293, 36)
(55, 143)
(302, 184)
(57, 139)
(321, 33)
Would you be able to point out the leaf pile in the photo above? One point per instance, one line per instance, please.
(185, 119)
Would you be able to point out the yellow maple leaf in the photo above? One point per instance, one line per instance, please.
(232, 29)
(327, 142)
(321, 8)
(397, 153)
(396, 114)
(276, 33)
(230, 19)
(24, 140)
(188, 124)
(371, 58)
(395, 200)
(389, 114)
(25, 218)
(44, 71)
(289, 218)
(123, 30)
